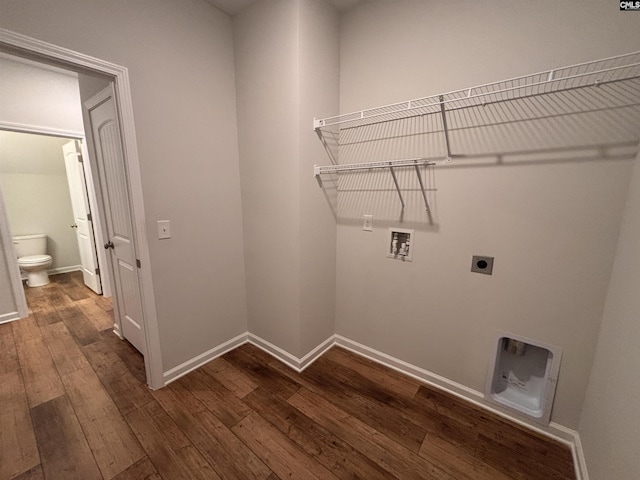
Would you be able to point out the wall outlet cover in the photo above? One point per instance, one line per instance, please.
(481, 264)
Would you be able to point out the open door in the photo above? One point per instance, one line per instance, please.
(119, 242)
(82, 220)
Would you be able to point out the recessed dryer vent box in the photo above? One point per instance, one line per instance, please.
(523, 376)
(400, 246)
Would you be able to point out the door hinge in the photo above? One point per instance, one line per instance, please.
(80, 159)
(89, 217)
(138, 264)
(98, 271)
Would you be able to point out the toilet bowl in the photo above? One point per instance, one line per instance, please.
(32, 258)
(36, 266)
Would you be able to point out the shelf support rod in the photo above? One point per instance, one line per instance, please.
(424, 194)
(446, 129)
(395, 180)
(326, 146)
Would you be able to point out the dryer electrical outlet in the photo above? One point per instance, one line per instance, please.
(482, 265)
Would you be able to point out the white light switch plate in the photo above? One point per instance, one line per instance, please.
(164, 229)
(367, 224)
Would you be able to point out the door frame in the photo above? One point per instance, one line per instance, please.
(23, 46)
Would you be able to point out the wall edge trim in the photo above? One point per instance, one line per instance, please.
(9, 317)
(40, 130)
(199, 360)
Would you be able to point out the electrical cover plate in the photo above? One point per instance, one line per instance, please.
(367, 224)
(164, 229)
(482, 265)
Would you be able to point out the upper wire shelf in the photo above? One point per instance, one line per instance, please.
(595, 73)
(593, 105)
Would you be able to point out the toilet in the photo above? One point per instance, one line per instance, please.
(32, 258)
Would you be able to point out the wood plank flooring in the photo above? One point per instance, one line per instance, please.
(74, 405)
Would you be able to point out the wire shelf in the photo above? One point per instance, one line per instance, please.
(620, 68)
(557, 113)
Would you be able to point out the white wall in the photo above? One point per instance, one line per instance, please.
(610, 426)
(48, 97)
(180, 61)
(284, 71)
(267, 83)
(36, 193)
(552, 227)
(41, 204)
(319, 73)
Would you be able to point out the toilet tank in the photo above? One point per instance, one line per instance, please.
(26, 245)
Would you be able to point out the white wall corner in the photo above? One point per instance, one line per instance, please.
(316, 353)
(297, 364)
(572, 438)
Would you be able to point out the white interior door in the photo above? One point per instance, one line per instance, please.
(82, 220)
(120, 243)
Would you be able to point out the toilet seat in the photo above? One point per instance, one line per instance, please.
(34, 260)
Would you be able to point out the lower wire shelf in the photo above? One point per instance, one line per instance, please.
(416, 163)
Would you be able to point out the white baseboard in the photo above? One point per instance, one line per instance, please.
(579, 462)
(297, 364)
(557, 432)
(9, 317)
(403, 367)
(58, 270)
(190, 365)
(117, 331)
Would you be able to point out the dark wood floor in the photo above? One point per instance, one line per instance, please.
(74, 405)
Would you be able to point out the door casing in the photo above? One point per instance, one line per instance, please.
(21, 45)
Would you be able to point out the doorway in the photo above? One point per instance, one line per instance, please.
(48, 54)
(45, 192)
(44, 189)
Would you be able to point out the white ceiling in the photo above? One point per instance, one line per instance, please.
(232, 7)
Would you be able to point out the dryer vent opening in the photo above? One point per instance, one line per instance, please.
(523, 376)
